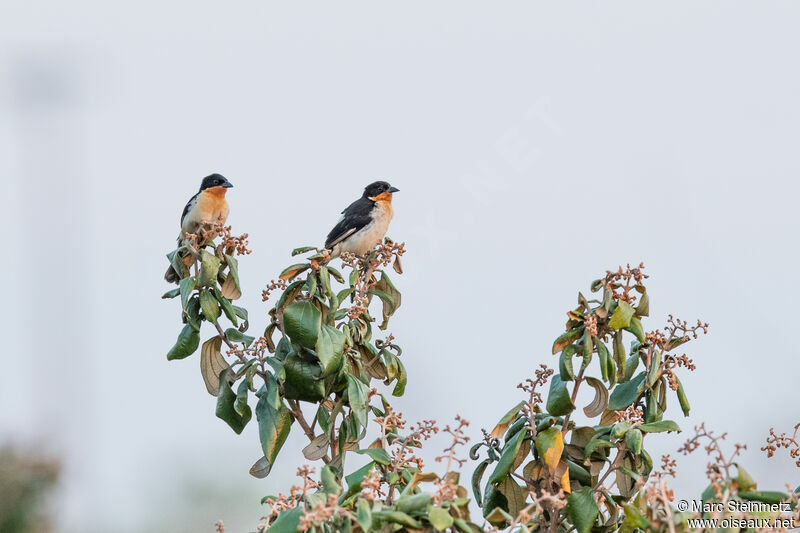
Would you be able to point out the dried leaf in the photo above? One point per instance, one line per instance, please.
(230, 290)
(260, 468)
(212, 363)
(317, 448)
(600, 402)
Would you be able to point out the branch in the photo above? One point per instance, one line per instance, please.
(297, 413)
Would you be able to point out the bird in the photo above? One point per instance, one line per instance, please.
(364, 223)
(208, 206)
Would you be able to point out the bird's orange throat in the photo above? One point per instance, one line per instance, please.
(382, 197)
(216, 191)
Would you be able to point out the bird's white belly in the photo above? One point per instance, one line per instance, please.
(370, 235)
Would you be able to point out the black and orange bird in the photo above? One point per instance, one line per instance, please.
(364, 223)
(208, 206)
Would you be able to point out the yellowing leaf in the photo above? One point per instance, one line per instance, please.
(565, 481)
(550, 444)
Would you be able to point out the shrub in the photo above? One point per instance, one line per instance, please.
(546, 466)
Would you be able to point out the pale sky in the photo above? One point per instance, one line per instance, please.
(535, 145)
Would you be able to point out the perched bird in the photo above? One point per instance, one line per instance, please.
(364, 222)
(207, 206)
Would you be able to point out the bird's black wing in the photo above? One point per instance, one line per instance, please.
(191, 203)
(355, 217)
(188, 206)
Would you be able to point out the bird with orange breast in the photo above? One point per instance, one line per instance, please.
(364, 223)
(208, 206)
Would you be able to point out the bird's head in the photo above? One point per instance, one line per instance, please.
(216, 183)
(379, 191)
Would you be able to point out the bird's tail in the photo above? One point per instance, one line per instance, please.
(171, 275)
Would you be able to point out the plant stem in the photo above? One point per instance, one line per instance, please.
(578, 381)
(297, 413)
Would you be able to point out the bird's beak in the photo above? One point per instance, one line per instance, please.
(227, 184)
(393, 189)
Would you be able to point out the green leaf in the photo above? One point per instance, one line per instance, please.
(357, 396)
(192, 313)
(325, 280)
(227, 308)
(379, 455)
(274, 420)
(582, 509)
(596, 444)
(385, 286)
(634, 519)
(493, 500)
(626, 393)
(744, 480)
(630, 366)
(186, 286)
(565, 370)
(439, 518)
(241, 312)
(559, 402)
(413, 503)
(643, 309)
(209, 268)
(302, 250)
(290, 293)
(402, 379)
(385, 297)
(567, 338)
(336, 274)
(765, 496)
(622, 315)
(288, 521)
(604, 356)
(225, 405)
(633, 439)
(293, 270)
(364, 516)
(477, 475)
(636, 328)
(659, 427)
(209, 305)
(506, 421)
(234, 335)
(329, 348)
(507, 458)
(355, 479)
(176, 260)
(619, 356)
(682, 399)
(620, 428)
(302, 321)
(397, 517)
(187, 343)
(241, 406)
(233, 266)
(302, 379)
(172, 293)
